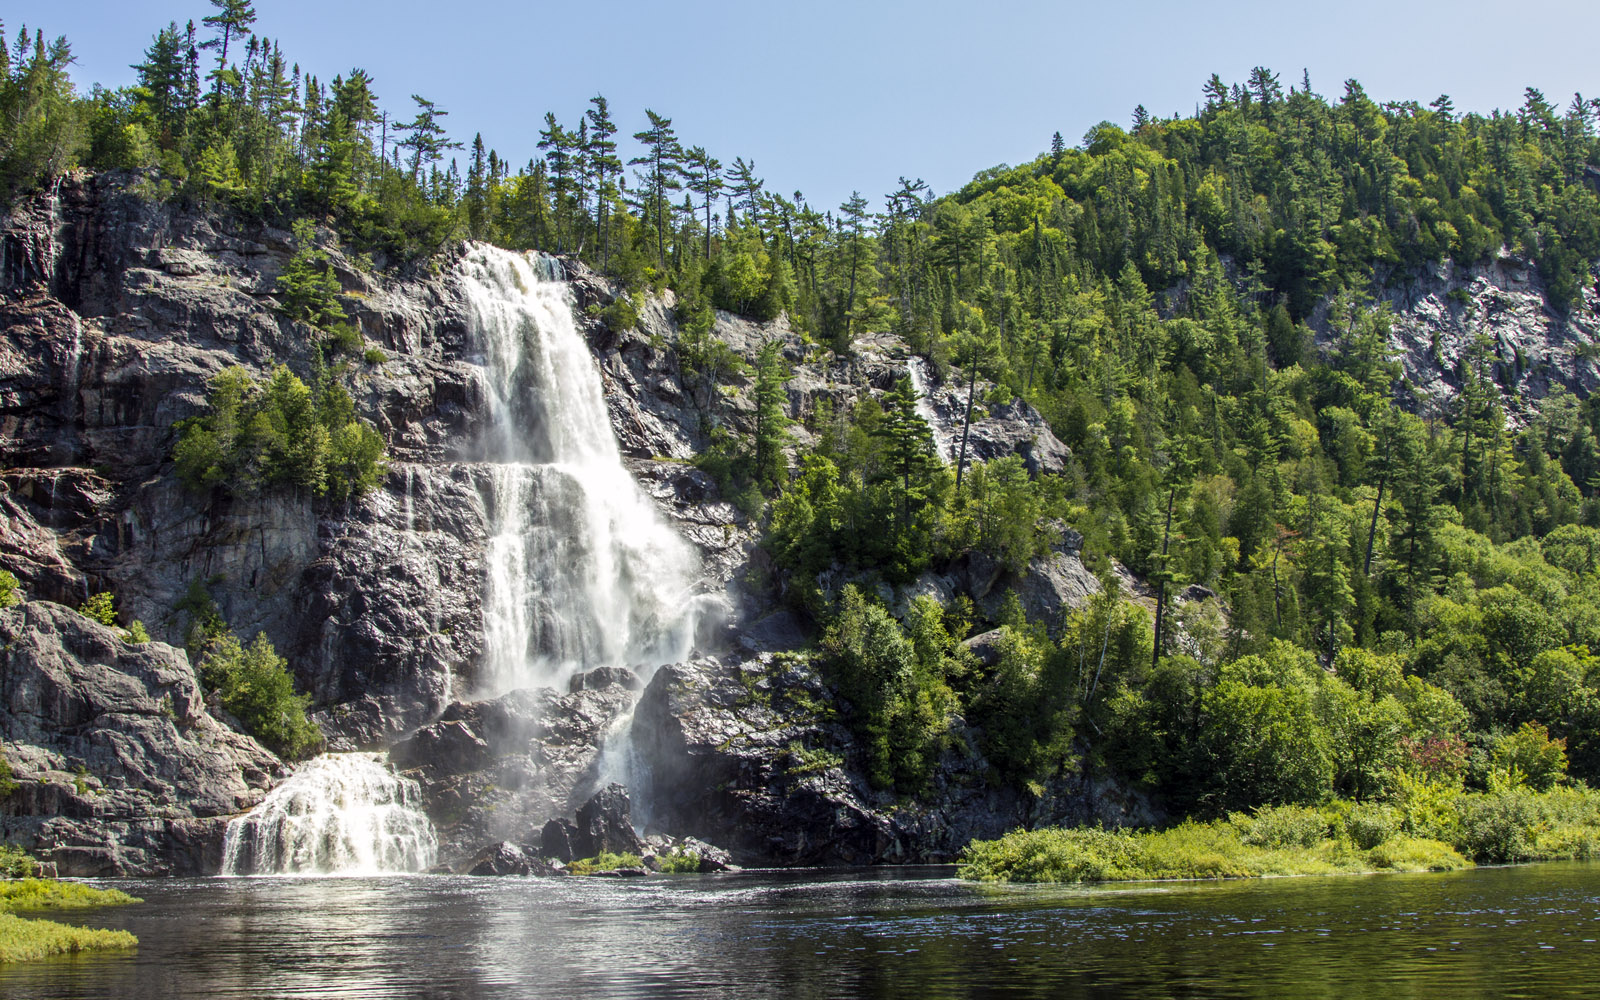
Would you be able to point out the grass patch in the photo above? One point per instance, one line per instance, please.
(49, 894)
(1425, 827)
(605, 861)
(22, 939)
(1239, 847)
(678, 863)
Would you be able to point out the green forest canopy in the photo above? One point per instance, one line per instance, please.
(1409, 584)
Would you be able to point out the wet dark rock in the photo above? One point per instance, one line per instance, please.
(540, 764)
(601, 677)
(746, 755)
(445, 747)
(605, 825)
(506, 858)
(712, 859)
(556, 840)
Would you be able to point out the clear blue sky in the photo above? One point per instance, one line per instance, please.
(831, 96)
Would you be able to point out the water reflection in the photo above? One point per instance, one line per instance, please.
(1490, 932)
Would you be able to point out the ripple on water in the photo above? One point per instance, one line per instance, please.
(1489, 932)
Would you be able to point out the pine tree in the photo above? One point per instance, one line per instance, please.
(910, 457)
(425, 137)
(233, 19)
(771, 400)
(161, 84)
(664, 157)
(603, 160)
(853, 234)
(705, 180)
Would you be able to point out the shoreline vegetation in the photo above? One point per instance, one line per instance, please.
(24, 938)
(1426, 829)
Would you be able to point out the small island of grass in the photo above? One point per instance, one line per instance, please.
(22, 938)
(1429, 829)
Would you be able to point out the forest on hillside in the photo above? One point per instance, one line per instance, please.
(1407, 589)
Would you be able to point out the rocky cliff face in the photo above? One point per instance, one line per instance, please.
(1535, 346)
(120, 767)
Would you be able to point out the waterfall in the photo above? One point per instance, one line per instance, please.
(917, 370)
(339, 814)
(582, 570)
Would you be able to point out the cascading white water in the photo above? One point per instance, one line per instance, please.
(917, 370)
(582, 571)
(339, 814)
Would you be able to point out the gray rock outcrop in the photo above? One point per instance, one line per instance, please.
(120, 767)
(749, 756)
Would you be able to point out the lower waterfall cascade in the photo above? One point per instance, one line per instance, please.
(344, 814)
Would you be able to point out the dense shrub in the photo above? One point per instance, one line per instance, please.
(279, 435)
(256, 687)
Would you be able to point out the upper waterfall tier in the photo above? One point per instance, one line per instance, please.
(582, 570)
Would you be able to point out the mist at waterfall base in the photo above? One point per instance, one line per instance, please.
(581, 571)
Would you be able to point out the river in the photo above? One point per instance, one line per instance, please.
(1526, 931)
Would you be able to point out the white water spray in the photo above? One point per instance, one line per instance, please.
(339, 814)
(582, 571)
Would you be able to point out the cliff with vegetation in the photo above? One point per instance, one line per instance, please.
(1239, 459)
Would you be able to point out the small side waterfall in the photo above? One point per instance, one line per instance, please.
(917, 370)
(339, 814)
(582, 571)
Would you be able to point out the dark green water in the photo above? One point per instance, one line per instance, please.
(1494, 932)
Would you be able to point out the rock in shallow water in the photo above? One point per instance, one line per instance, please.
(506, 858)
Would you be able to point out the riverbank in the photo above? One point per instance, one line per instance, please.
(1431, 829)
(22, 938)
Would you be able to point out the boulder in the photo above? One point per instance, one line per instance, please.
(444, 747)
(506, 858)
(601, 677)
(556, 840)
(605, 824)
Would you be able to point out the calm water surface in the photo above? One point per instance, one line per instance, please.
(1500, 932)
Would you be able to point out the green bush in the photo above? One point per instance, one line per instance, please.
(101, 607)
(1282, 826)
(279, 435)
(1368, 825)
(621, 315)
(1499, 826)
(258, 690)
(677, 862)
(605, 861)
(1531, 754)
(14, 861)
(8, 589)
